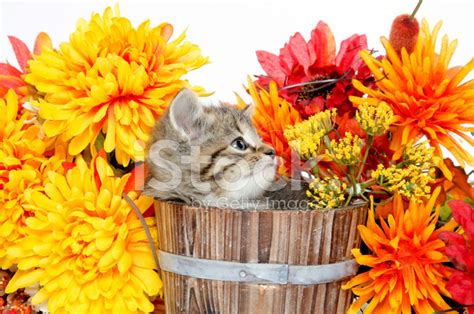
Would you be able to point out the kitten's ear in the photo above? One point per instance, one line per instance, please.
(185, 110)
(248, 110)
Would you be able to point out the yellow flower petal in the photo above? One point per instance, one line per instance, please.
(108, 75)
(41, 296)
(23, 279)
(124, 263)
(82, 259)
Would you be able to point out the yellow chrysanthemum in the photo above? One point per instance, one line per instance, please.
(85, 245)
(113, 79)
(406, 261)
(22, 166)
(375, 120)
(428, 98)
(326, 193)
(272, 114)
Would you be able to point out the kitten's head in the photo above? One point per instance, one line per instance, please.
(202, 152)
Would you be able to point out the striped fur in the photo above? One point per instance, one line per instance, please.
(191, 156)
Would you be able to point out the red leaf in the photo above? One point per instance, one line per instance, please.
(6, 69)
(322, 46)
(299, 51)
(22, 52)
(102, 154)
(463, 213)
(461, 287)
(9, 81)
(136, 181)
(459, 188)
(42, 41)
(150, 212)
(271, 65)
(456, 249)
(348, 55)
(461, 252)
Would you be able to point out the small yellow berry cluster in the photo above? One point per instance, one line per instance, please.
(305, 137)
(326, 193)
(375, 120)
(347, 150)
(410, 181)
(420, 155)
(304, 141)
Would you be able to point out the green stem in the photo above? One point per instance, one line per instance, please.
(367, 149)
(353, 179)
(367, 183)
(324, 173)
(331, 173)
(348, 200)
(314, 166)
(412, 16)
(340, 167)
(327, 143)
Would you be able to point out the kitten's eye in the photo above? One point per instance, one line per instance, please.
(240, 144)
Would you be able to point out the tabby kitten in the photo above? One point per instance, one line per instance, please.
(212, 156)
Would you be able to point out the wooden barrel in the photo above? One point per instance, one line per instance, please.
(196, 244)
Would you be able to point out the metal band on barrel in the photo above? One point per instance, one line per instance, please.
(256, 273)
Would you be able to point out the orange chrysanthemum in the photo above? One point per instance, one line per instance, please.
(272, 114)
(111, 79)
(406, 261)
(22, 166)
(428, 98)
(85, 246)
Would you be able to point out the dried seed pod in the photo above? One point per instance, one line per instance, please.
(405, 30)
(404, 33)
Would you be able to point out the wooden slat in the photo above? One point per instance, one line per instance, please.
(294, 237)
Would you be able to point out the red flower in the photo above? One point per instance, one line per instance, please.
(311, 76)
(460, 250)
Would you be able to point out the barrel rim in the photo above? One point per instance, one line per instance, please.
(360, 204)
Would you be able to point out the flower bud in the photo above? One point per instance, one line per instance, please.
(404, 33)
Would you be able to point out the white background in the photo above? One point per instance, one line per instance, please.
(230, 32)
